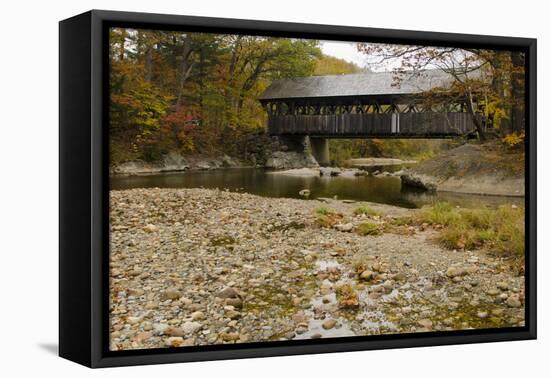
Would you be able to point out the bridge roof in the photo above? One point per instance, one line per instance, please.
(361, 84)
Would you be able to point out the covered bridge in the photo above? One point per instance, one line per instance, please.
(372, 104)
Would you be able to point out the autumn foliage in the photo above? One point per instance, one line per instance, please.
(193, 92)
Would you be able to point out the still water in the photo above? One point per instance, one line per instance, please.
(258, 181)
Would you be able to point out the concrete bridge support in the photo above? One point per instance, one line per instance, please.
(319, 150)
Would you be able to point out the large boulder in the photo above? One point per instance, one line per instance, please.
(290, 160)
(419, 181)
(174, 162)
(228, 161)
(330, 172)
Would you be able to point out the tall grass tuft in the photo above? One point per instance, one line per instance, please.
(368, 228)
(500, 230)
(365, 210)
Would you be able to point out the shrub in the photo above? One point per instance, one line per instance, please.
(514, 139)
(403, 221)
(323, 220)
(322, 211)
(347, 297)
(368, 228)
(365, 210)
(361, 262)
(326, 217)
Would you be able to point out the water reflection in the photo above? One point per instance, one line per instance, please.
(257, 181)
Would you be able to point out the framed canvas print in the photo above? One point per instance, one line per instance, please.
(234, 188)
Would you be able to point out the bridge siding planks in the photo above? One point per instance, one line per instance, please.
(423, 124)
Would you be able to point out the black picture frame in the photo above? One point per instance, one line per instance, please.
(84, 188)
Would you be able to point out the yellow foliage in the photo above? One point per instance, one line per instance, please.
(513, 139)
(329, 65)
(498, 111)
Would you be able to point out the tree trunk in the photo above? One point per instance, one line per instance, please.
(499, 88)
(229, 100)
(477, 123)
(518, 92)
(185, 68)
(122, 45)
(250, 82)
(149, 64)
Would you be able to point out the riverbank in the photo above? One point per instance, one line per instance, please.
(201, 267)
(174, 162)
(258, 151)
(489, 169)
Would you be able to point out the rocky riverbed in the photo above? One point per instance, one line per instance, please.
(200, 267)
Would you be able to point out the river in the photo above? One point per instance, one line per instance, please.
(258, 181)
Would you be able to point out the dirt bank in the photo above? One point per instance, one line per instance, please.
(488, 168)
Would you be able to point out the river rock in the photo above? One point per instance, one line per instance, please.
(349, 201)
(142, 336)
(425, 323)
(329, 323)
(176, 341)
(304, 192)
(301, 329)
(497, 311)
(160, 328)
(367, 275)
(191, 327)
(198, 315)
(232, 314)
(503, 286)
(150, 228)
(235, 302)
(172, 294)
(229, 336)
(347, 227)
(175, 331)
(482, 314)
(136, 292)
(229, 293)
(513, 301)
(399, 276)
(454, 271)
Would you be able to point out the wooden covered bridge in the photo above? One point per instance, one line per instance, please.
(365, 105)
